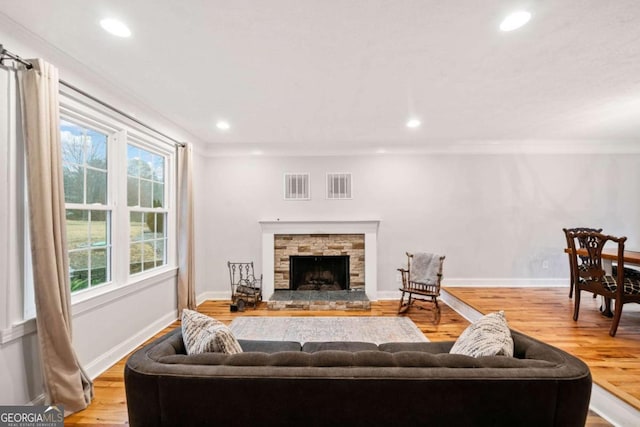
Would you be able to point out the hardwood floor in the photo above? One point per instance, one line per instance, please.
(109, 404)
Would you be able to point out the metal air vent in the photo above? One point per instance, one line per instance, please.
(339, 186)
(296, 186)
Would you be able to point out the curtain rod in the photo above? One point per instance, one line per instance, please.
(5, 53)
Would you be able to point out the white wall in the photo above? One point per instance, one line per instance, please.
(497, 217)
(105, 328)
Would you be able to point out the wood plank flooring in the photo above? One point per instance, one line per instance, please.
(109, 404)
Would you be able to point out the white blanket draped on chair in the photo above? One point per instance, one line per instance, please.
(425, 268)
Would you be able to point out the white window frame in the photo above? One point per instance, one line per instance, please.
(79, 109)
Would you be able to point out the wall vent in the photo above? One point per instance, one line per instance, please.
(339, 186)
(296, 186)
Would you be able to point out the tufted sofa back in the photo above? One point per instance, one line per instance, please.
(342, 383)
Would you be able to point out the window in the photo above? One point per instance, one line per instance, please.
(88, 213)
(147, 214)
(118, 182)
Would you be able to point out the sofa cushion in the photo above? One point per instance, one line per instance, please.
(202, 334)
(489, 336)
(312, 347)
(269, 346)
(425, 347)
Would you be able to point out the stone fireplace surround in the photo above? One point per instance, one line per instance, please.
(367, 228)
(287, 245)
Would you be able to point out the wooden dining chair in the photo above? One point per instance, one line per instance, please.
(582, 245)
(591, 276)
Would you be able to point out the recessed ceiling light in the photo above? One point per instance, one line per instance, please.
(257, 152)
(223, 125)
(413, 123)
(115, 27)
(381, 151)
(515, 20)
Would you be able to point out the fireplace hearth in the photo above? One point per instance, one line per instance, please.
(319, 272)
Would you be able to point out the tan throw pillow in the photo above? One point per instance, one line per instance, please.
(203, 334)
(489, 336)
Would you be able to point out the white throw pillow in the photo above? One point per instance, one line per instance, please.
(204, 334)
(489, 336)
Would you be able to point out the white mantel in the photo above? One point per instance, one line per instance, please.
(367, 227)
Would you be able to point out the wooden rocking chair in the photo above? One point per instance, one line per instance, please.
(421, 288)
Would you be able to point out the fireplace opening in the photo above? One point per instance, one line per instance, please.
(319, 272)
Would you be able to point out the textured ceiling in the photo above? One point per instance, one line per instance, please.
(332, 75)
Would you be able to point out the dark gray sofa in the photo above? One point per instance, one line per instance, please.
(355, 384)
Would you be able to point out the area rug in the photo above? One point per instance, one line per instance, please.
(304, 329)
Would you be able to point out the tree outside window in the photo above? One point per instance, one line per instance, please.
(148, 213)
(88, 214)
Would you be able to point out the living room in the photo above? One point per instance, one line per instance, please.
(522, 134)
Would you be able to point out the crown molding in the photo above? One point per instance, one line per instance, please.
(552, 146)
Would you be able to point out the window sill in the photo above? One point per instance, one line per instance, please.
(18, 330)
(84, 302)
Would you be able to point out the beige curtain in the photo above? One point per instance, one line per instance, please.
(65, 382)
(186, 264)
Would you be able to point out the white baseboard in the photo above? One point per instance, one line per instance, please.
(612, 409)
(507, 283)
(488, 283)
(108, 359)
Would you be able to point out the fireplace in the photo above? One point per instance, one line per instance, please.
(319, 272)
(355, 238)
